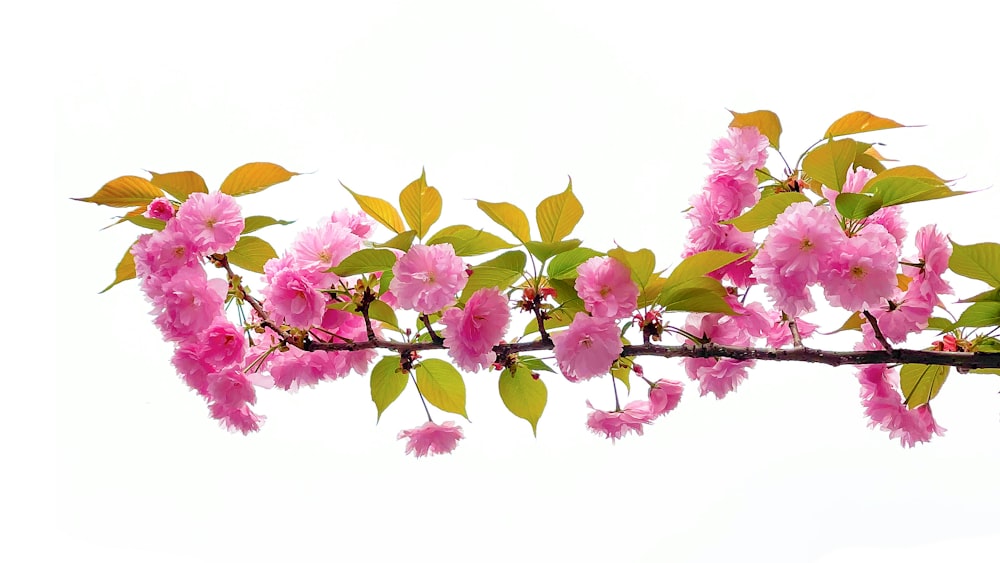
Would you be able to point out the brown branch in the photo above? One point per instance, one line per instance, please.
(878, 331)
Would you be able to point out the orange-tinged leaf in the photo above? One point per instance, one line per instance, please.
(126, 191)
(829, 162)
(765, 121)
(179, 184)
(873, 152)
(421, 205)
(254, 177)
(557, 215)
(859, 122)
(508, 216)
(380, 210)
(125, 269)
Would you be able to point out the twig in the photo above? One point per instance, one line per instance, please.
(878, 332)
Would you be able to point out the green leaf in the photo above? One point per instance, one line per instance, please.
(853, 322)
(379, 209)
(136, 218)
(766, 211)
(566, 296)
(382, 312)
(564, 265)
(258, 222)
(254, 177)
(179, 184)
(698, 265)
(125, 269)
(558, 318)
(859, 122)
(472, 242)
(698, 295)
(939, 324)
(765, 121)
(383, 282)
(993, 371)
(829, 162)
(557, 215)
(421, 205)
(857, 206)
(984, 313)
(500, 272)
(446, 231)
(442, 385)
(640, 263)
(508, 216)
(533, 364)
(250, 253)
(523, 395)
(545, 250)
(921, 383)
(387, 382)
(126, 191)
(621, 369)
(365, 261)
(403, 241)
(977, 261)
(908, 184)
(988, 295)
(649, 292)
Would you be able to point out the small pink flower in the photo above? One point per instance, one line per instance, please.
(231, 389)
(358, 223)
(587, 348)
(740, 154)
(223, 343)
(239, 419)
(160, 208)
(211, 221)
(427, 278)
(195, 371)
(292, 294)
(319, 249)
(432, 438)
(933, 253)
(163, 253)
(664, 396)
(717, 376)
(190, 303)
(606, 287)
(616, 424)
(861, 270)
(471, 333)
(885, 408)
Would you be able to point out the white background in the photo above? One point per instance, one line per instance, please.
(110, 457)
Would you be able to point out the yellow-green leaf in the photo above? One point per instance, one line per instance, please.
(921, 383)
(125, 191)
(500, 272)
(472, 242)
(829, 162)
(859, 122)
(621, 369)
(564, 265)
(523, 395)
(558, 214)
(388, 381)
(766, 211)
(984, 313)
(649, 293)
(908, 184)
(508, 216)
(380, 210)
(697, 265)
(250, 253)
(857, 206)
(421, 205)
(765, 121)
(442, 385)
(179, 184)
(403, 241)
(365, 261)
(977, 261)
(254, 177)
(545, 250)
(382, 312)
(125, 269)
(698, 295)
(258, 222)
(853, 322)
(640, 263)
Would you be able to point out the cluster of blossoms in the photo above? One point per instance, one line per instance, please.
(188, 306)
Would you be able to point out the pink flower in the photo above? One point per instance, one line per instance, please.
(358, 223)
(740, 154)
(471, 333)
(717, 376)
(616, 424)
(797, 247)
(190, 303)
(239, 419)
(902, 315)
(891, 218)
(223, 343)
(861, 270)
(211, 221)
(160, 208)
(195, 371)
(606, 287)
(292, 295)
(427, 278)
(319, 249)
(163, 253)
(885, 408)
(432, 438)
(933, 251)
(664, 396)
(231, 389)
(587, 348)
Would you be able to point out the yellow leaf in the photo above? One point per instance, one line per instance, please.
(380, 210)
(179, 184)
(558, 214)
(126, 191)
(859, 122)
(765, 121)
(254, 177)
(508, 216)
(421, 205)
(125, 269)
